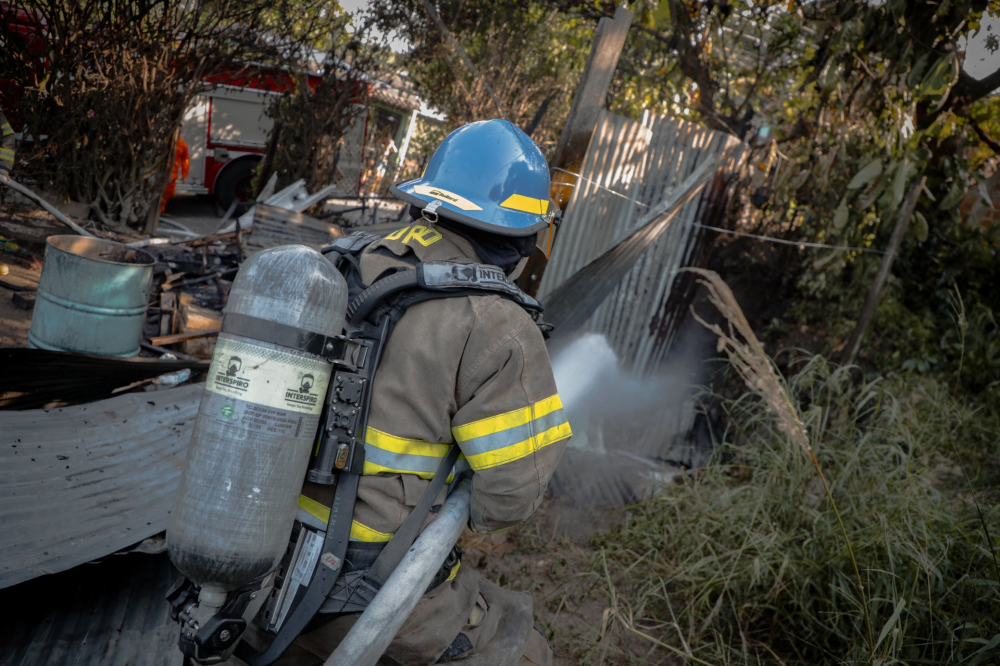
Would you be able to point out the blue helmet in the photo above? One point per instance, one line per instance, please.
(488, 175)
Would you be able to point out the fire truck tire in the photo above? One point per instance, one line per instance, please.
(235, 182)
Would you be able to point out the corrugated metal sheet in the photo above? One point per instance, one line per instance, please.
(570, 305)
(79, 483)
(107, 614)
(644, 162)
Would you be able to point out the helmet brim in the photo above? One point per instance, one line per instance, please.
(532, 223)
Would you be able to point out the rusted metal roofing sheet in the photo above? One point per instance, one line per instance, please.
(79, 483)
(573, 302)
(107, 614)
(630, 167)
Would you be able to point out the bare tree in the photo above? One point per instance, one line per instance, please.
(105, 82)
(315, 118)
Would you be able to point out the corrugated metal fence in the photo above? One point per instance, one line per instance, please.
(640, 163)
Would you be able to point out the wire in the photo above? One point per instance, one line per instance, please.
(782, 241)
(770, 239)
(596, 184)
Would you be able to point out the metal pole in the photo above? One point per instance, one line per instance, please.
(370, 636)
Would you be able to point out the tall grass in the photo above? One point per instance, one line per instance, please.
(833, 526)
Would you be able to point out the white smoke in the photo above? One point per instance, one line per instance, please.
(627, 430)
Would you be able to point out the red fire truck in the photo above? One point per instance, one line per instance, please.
(226, 128)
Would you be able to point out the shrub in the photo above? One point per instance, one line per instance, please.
(754, 561)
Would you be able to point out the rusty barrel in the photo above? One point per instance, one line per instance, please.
(91, 297)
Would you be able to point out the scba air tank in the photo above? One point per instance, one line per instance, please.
(259, 415)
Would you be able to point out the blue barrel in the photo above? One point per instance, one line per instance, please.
(91, 297)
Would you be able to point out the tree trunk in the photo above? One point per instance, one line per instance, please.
(871, 302)
(268, 163)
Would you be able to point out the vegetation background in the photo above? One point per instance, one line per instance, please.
(845, 105)
(849, 514)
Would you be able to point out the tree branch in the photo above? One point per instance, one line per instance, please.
(969, 90)
(985, 138)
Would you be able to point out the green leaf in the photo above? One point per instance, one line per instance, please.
(899, 182)
(954, 196)
(869, 196)
(977, 656)
(888, 625)
(930, 195)
(863, 177)
(840, 215)
(920, 228)
(938, 80)
(800, 179)
(917, 71)
(984, 193)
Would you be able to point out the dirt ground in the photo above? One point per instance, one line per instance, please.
(548, 556)
(23, 231)
(15, 322)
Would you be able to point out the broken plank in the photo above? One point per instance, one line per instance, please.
(168, 303)
(192, 319)
(161, 340)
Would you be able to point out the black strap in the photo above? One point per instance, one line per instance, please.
(445, 279)
(325, 575)
(393, 553)
(265, 330)
(452, 276)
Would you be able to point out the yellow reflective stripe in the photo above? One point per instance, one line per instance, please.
(417, 447)
(520, 450)
(371, 468)
(6, 129)
(454, 572)
(526, 204)
(314, 508)
(7, 153)
(517, 417)
(390, 454)
(361, 532)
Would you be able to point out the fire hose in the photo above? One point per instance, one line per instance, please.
(381, 621)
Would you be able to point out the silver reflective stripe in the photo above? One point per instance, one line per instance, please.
(401, 461)
(511, 436)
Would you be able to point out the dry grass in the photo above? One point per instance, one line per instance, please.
(832, 527)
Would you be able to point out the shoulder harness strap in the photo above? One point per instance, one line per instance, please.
(431, 280)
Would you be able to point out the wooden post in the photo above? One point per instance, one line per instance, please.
(871, 302)
(263, 173)
(589, 99)
(575, 137)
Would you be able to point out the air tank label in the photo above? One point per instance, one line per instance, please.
(266, 377)
(257, 418)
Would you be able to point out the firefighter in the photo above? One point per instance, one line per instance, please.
(6, 149)
(470, 370)
(181, 168)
